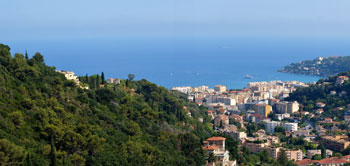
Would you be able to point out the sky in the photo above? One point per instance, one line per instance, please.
(89, 19)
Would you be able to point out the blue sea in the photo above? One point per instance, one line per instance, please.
(185, 61)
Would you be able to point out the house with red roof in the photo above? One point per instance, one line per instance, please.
(216, 145)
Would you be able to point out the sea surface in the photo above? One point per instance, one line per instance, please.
(185, 61)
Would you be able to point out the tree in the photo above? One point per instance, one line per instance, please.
(265, 156)
(87, 78)
(11, 154)
(97, 81)
(282, 159)
(317, 157)
(323, 150)
(38, 58)
(131, 77)
(280, 129)
(53, 159)
(338, 155)
(26, 55)
(103, 78)
(211, 158)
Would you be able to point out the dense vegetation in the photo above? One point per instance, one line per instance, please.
(335, 96)
(327, 66)
(48, 120)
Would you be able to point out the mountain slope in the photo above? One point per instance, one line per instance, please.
(48, 120)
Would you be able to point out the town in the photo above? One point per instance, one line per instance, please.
(261, 119)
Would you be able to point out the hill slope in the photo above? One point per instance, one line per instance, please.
(322, 66)
(335, 95)
(48, 120)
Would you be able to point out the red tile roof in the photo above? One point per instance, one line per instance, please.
(304, 162)
(333, 160)
(216, 139)
(210, 147)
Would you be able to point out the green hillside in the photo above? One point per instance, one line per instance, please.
(322, 66)
(48, 120)
(336, 96)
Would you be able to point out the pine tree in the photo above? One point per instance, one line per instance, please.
(103, 77)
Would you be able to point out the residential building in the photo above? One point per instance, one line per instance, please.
(337, 143)
(287, 107)
(184, 89)
(263, 109)
(221, 121)
(341, 79)
(295, 155)
(216, 145)
(320, 104)
(290, 126)
(238, 135)
(311, 153)
(301, 133)
(282, 116)
(270, 126)
(220, 88)
(69, 76)
(113, 81)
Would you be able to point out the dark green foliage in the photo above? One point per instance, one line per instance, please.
(317, 157)
(48, 120)
(131, 77)
(323, 150)
(103, 78)
(280, 129)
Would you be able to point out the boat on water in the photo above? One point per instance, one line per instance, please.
(248, 76)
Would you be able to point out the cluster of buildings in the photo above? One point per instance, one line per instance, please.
(331, 161)
(263, 102)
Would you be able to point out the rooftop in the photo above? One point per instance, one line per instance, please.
(216, 139)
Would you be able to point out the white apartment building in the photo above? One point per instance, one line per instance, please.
(183, 89)
(290, 126)
(270, 126)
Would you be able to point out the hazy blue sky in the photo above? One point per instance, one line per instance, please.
(49, 19)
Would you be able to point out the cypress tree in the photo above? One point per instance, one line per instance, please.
(103, 77)
(282, 159)
(53, 152)
(323, 151)
(26, 55)
(29, 159)
(87, 78)
(97, 81)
